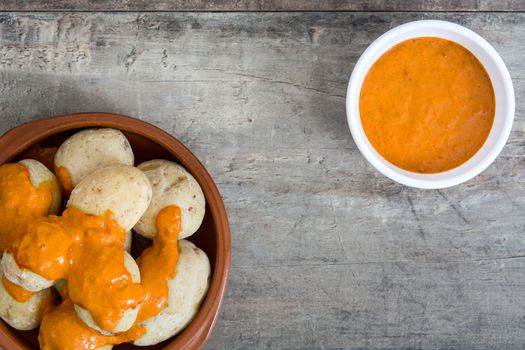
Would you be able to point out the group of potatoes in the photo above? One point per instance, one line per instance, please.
(100, 163)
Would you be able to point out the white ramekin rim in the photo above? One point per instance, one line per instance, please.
(503, 89)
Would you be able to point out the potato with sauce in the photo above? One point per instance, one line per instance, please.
(89, 150)
(23, 277)
(186, 292)
(40, 178)
(40, 175)
(22, 315)
(27, 191)
(122, 189)
(126, 192)
(130, 315)
(172, 184)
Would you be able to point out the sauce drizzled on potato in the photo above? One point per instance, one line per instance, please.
(61, 328)
(87, 251)
(64, 179)
(157, 263)
(17, 292)
(20, 202)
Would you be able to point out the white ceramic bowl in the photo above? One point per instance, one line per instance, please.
(497, 72)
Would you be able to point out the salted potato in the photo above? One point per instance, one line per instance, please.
(130, 315)
(39, 175)
(186, 292)
(23, 316)
(172, 185)
(89, 150)
(122, 189)
(23, 277)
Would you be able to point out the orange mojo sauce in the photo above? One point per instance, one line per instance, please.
(157, 263)
(61, 328)
(86, 251)
(427, 105)
(65, 179)
(20, 202)
(17, 292)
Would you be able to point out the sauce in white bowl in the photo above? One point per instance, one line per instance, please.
(502, 116)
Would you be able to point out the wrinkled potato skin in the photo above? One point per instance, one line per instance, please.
(92, 149)
(122, 189)
(172, 185)
(22, 316)
(23, 277)
(186, 292)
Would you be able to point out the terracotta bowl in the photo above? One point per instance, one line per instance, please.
(40, 139)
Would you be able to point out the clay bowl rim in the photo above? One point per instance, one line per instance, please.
(20, 138)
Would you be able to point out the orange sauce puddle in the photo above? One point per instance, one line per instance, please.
(17, 292)
(427, 105)
(87, 252)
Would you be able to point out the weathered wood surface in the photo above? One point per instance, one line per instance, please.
(263, 5)
(327, 253)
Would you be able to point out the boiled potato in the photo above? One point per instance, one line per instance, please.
(92, 149)
(122, 189)
(172, 185)
(186, 292)
(130, 315)
(39, 174)
(23, 316)
(23, 277)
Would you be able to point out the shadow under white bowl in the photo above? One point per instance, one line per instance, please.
(501, 83)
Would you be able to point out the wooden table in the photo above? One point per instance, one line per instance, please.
(327, 252)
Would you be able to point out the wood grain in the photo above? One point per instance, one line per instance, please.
(327, 253)
(263, 5)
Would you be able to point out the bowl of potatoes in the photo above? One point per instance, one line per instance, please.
(112, 234)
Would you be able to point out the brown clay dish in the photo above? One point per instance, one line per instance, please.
(39, 139)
